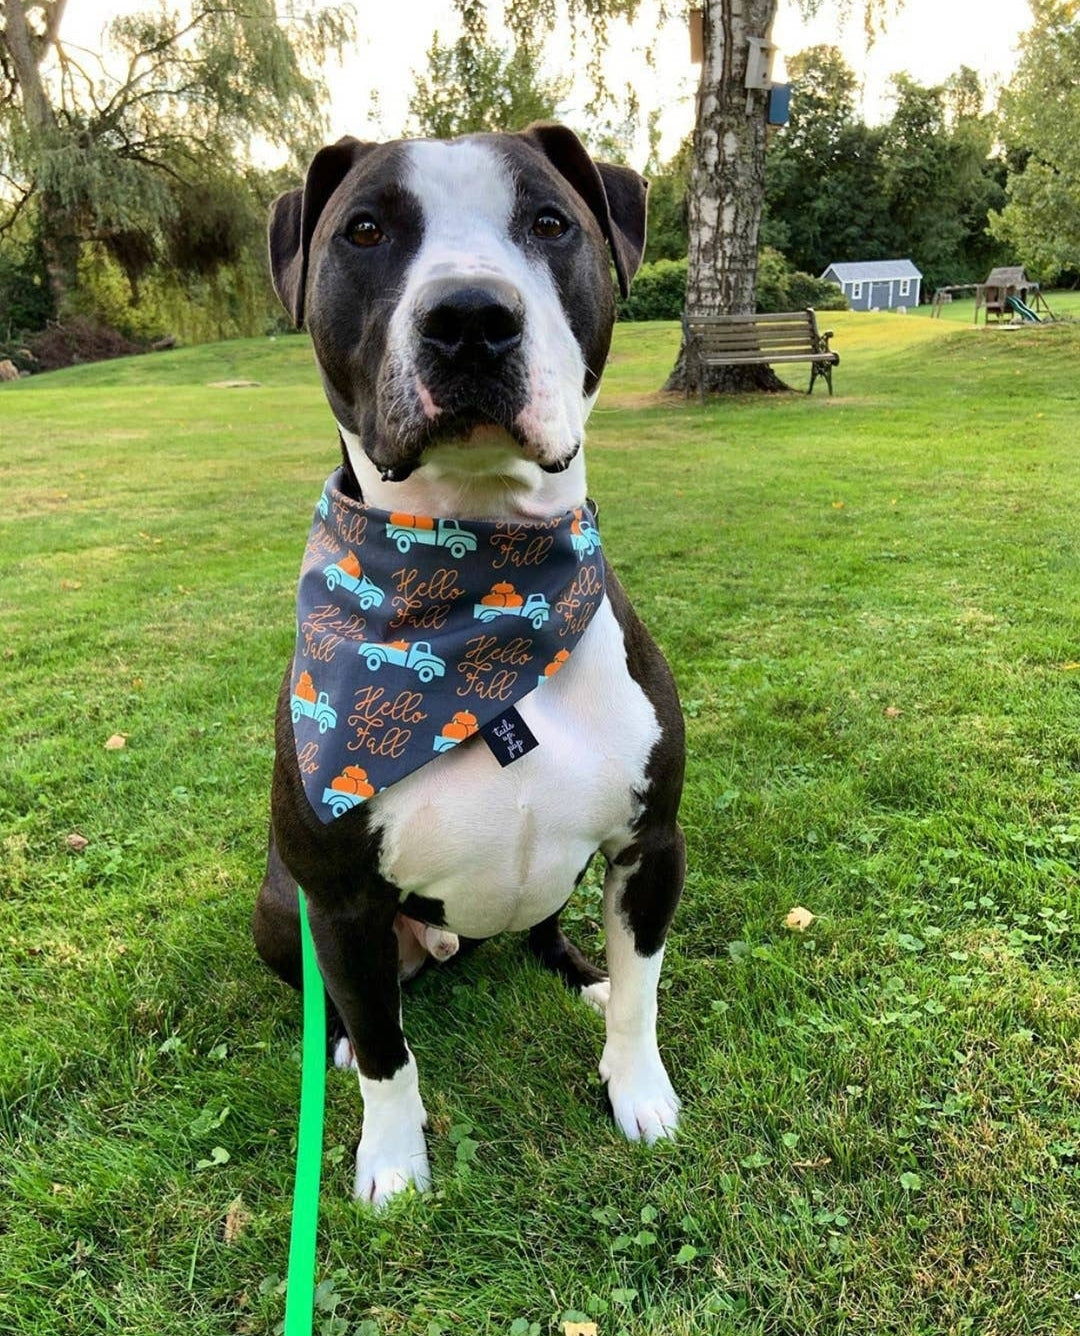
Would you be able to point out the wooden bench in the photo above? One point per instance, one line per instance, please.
(756, 340)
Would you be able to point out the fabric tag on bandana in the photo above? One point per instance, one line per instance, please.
(508, 737)
(414, 632)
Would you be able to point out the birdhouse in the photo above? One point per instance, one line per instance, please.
(759, 63)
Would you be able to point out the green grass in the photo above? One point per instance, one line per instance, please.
(871, 605)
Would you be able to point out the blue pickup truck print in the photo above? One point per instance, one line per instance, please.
(307, 702)
(584, 536)
(348, 574)
(503, 600)
(417, 658)
(405, 530)
(347, 790)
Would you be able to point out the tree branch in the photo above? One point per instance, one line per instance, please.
(16, 209)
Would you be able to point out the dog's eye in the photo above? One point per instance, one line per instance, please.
(549, 225)
(365, 231)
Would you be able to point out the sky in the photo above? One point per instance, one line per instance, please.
(929, 39)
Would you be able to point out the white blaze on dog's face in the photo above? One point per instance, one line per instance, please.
(460, 301)
(473, 241)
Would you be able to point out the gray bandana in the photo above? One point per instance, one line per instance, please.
(413, 633)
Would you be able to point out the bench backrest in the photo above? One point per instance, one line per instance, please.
(782, 331)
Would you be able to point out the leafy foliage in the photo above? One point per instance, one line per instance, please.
(658, 292)
(659, 289)
(151, 163)
(668, 182)
(24, 293)
(1041, 111)
(781, 287)
(921, 185)
(939, 178)
(473, 86)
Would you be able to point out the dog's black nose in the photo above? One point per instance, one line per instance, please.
(470, 324)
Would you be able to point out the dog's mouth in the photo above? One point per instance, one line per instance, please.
(483, 420)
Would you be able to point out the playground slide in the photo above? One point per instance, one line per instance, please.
(1022, 310)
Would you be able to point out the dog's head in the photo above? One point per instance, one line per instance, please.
(458, 290)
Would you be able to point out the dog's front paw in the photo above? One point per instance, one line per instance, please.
(645, 1105)
(388, 1165)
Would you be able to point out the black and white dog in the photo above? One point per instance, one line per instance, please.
(459, 298)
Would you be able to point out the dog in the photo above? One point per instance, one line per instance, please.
(459, 297)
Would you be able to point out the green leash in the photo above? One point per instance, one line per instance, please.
(300, 1290)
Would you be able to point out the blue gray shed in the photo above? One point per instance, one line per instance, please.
(880, 285)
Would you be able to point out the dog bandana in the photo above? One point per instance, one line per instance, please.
(413, 633)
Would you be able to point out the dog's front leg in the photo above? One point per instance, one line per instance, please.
(641, 890)
(358, 959)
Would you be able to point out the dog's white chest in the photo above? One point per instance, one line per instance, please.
(501, 847)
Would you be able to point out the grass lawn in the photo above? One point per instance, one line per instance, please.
(872, 606)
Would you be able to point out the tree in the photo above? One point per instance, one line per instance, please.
(152, 163)
(727, 181)
(1041, 113)
(938, 177)
(921, 185)
(824, 199)
(668, 184)
(473, 85)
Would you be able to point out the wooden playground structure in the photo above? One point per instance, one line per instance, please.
(1007, 295)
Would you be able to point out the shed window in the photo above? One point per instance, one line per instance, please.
(905, 287)
(856, 292)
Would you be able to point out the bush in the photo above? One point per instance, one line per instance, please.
(24, 294)
(781, 288)
(658, 293)
(805, 290)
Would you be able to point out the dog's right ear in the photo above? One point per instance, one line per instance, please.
(294, 215)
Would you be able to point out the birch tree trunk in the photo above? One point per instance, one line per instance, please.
(727, 186)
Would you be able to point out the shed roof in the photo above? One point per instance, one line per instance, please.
(865, 271)
(1006, 276)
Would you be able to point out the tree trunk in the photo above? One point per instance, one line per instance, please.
(727, 186)
(26, 50)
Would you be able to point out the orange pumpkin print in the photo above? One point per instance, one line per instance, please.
(463, 725)
(353, 779)
(399, 517)
(502, 595)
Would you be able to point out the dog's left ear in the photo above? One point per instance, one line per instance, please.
(293, 217)
(616, 195)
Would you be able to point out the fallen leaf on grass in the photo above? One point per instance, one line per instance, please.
(891, 712)
(579, 1329)
(117, 741)
(76, 841)
(237, 1219)
(799, 919)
